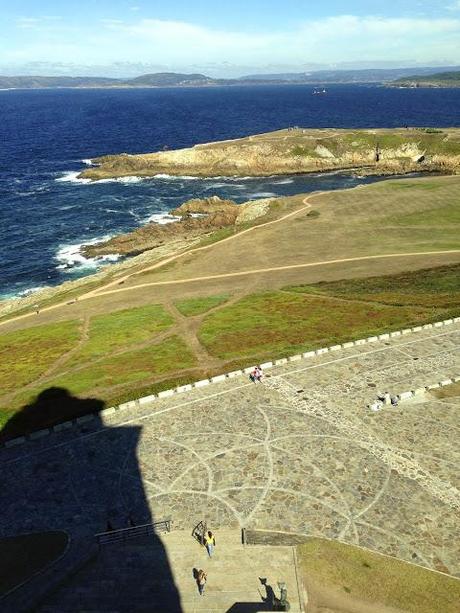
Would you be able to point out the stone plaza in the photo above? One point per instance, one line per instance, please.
(300, 452)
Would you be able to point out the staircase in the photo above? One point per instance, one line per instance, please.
(156, 574)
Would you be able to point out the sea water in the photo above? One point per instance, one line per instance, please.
(48, 136)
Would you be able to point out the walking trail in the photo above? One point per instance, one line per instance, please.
(106, 289)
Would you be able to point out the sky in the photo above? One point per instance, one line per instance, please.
(224, 39)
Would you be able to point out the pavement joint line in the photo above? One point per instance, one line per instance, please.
(190, 402)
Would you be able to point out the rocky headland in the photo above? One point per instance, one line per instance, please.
(195, 218)
(297, 151)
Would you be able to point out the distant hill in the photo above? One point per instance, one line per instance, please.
(439, 79)
(369, 75)
(172, 79)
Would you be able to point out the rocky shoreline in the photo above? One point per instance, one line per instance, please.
(296, 151)
(196, 219)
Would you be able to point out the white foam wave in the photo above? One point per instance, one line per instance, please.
(71, 258)
(29, 291)
(72, 177)
(283, 182)
(263, 195)
(162, 218)
(88, 162)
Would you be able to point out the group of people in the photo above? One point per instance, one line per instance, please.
(256, 375)
(201, 576)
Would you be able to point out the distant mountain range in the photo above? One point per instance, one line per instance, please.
(173, 79)
(439, 79)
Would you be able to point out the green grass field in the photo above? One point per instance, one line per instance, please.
(361, 580)
(281, 323)
(197, 306)
(27, 354)
(124, 358)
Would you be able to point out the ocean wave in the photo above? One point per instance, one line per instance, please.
(283, 182)
(70, 257)
(88, 162)
(161, 218)
(263, 195)
(29, 291)
(72, 177)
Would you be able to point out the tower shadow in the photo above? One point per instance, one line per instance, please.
(85, 480)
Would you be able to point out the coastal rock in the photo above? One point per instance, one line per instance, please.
(196, 218)
(295, 151)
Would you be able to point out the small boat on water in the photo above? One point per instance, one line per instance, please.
(318, 92)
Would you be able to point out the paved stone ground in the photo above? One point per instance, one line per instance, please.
(160, 578)
(298, 453)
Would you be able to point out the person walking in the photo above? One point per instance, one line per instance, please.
(201, 579)
(209, 542)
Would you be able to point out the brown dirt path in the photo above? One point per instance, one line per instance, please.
(106, 289)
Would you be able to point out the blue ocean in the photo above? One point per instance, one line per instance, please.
(46, 136)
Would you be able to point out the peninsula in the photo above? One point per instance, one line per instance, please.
(441, 79)
(297, 151)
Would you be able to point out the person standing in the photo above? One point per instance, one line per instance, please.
(201, 579)
(209, 542)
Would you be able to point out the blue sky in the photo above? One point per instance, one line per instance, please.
(128, 37)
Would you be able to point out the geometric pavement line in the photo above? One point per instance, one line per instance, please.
(235, 388)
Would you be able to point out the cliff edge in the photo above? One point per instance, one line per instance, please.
(296, 151)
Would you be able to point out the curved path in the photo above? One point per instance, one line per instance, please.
(106, 289)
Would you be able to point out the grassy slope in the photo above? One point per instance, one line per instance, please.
(337, 573)
(256, 327)
(27, 354)
(124, 358)
(197, 306)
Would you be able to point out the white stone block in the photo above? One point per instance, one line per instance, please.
(393, 334)
(107, 412)
(419, 391)
(427, 326)
(183, 388)
(249, 369)
(417, 329)
(456, 320)
(85, 418)
(15, 441)
(348, 345)
(448, 322)
(361, 341)
(64, 426)
(309, 354)
(456, 379)
(295, 358)
(147, 399)
(433, 386)
(127, 405)
(406, 331)
(236, 373)
(39, 434)
(445, 382)
(266, 365)
(383, 337)
(335, 347)
(218, 378)
(281, 361)
(201, 383)
(321, 351)
(166, 394)
(438, 324)
(372, 339)
(405, 395)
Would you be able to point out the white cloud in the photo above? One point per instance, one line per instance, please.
(180, 44)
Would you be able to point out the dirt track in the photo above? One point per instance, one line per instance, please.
(113, 286)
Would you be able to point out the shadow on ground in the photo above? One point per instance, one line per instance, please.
(85, 480)
(52, 406)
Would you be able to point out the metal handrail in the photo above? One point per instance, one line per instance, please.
(124, 534)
